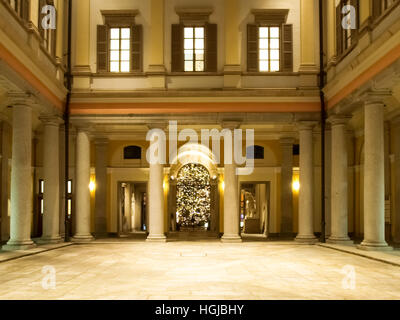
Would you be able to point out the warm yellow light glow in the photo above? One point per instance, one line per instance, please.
(296, 185)
(223, 185)
(92, 186)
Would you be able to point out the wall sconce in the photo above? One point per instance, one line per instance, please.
(296, 185)
(223, 185)
(92, 186)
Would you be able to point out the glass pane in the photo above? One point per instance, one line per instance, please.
(114, 33)
(263, 43)
(125, 55)
(188, 54)
(274, 65)
(274, 43)
(263, 32)
(274, 54)
(263, 54)
(199, 65)
(199, 56)
(188, 65)
(125, 44)
(114, 56)
(69, 206)
(188, 33)
(114, 66)
(125, 66)
(199, 32)
(199, 43)
(114, 44)
(188, 44)
(125, 33)
(274, 32)
(264, 66)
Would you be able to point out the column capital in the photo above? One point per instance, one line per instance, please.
(231, 125)
(339, 119)
(306, 125)
(51, 120)
(83, 127)
(22, 99)
(375, 97)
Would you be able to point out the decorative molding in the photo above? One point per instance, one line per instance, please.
(194, 15)
(119, 17)
(270, 16)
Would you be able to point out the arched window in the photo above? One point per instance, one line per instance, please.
(132, 153)
(255, 152)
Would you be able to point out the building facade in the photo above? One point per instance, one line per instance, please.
(182, 67)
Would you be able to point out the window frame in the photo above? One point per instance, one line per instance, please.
(194, 26)
(109, 28)
(354, 33)
(269, 25)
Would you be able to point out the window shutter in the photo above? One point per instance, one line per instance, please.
(42, 3)
(25, 10)
(376, 8)
(177, 59)
(102, 48)
(354, 32)
(252, 48)
(53, 38)
(136, 48)
(339, 30)
(211, 47)
(287, 48)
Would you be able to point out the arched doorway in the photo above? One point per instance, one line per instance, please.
(193, 198)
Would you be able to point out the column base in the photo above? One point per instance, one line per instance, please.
(374, 246)
(49, 240)
(82, 238)
(18, 245)
(156, 238)
(337, 240)
(231, 239)
(306, 239)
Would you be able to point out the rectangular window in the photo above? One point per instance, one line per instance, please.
(120, 39)
(269, 49)
(194, 46)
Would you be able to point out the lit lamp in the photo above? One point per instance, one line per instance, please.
(92, 186)
(296, 185)
(223, 185)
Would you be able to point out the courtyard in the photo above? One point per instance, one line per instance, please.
(115, 269)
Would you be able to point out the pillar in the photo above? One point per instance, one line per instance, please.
(156, 201)
(331, 31)
(339, 181)
(82, 178)
(51, 196)
(306, 201)
(101, 187)
(60, 30)
(286, 187)
(308, 26)
(374, 176)
(396, 213)
(21, 178)
(232, 67)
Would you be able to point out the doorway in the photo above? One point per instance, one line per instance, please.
(254, 209)
(132, 215)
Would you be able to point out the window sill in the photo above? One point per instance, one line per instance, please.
(279, 73)
(200, 73)
(118, 75)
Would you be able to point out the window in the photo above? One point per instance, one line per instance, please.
(379, 7)
(270, 42)
(48, 35)
(194, 48)
(255, 152)
(269, 45)
(119, 43)
(69, 198)
(132, 153)
(21, 7)
(40, 196)
(346, 37)
(296, 149)
(120, 49)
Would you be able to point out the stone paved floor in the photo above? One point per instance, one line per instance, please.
(198, 270)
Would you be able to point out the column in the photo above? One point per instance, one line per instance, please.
(34, 13)
(232, 68)
(331, 31)
(306, 201)
(156, 71)
(101, 187)
(82, 35)
(396, 213)
(286, 187)
(339, 181)
(82, 181)
(156, 201)
(60, 31)
(308, 26)
(21, 179)
(374, 176)
(51, 197)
